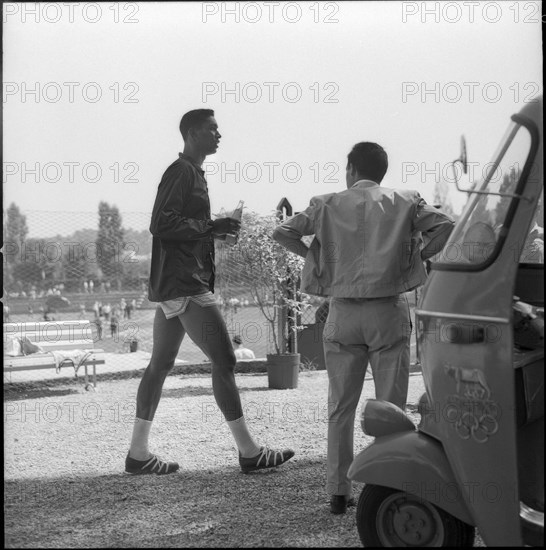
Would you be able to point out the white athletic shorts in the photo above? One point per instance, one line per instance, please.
(177, 306)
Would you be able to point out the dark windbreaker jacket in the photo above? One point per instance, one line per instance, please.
(183, 244)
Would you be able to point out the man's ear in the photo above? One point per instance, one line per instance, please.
(351, 169)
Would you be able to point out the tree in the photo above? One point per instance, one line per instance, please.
(110, 242)
(40, 264)
(508, 185)
(80, 258)
(442, 199)
(15, 234)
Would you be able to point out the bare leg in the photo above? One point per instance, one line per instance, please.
(168, 335)
(207, 328)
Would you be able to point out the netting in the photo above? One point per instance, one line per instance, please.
(100, 265)
(66, 266)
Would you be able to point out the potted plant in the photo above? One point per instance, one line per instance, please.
(271, 275)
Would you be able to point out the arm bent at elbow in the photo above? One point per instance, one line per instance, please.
(436, 239)
(291, 241)
(172, 226)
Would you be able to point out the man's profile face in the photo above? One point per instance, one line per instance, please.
(207, 136)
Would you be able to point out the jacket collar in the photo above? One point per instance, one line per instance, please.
(364, 184)
(190, 160)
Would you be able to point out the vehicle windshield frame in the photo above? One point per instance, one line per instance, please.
(517, 123)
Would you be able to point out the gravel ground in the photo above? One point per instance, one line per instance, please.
(65, 449)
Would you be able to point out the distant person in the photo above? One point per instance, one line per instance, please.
(234, 303)
(100, 327)
(114, 324)
(82, 311)
(376, 259)
(106, 311)
(182, 283)
(240, 351)
(85, 287)
(128, 309)
(6, 313)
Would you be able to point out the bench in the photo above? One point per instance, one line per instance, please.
(54, 336)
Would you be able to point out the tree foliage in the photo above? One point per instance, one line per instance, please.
(110, 242)
(266, 269)
(15, 234)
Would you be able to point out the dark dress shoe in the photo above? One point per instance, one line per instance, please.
(339, 503)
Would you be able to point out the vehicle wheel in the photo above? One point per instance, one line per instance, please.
(387, 517)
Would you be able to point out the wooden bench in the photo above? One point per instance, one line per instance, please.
(53, 336)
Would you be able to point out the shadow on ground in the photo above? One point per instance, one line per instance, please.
(200, 508)
(29, 392)
(196, 391)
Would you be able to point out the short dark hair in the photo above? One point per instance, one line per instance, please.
(370, 160)
(194, 119)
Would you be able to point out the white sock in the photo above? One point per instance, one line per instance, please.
(139, 442)
(245, 443)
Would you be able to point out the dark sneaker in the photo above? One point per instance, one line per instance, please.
(153, 465)
(266, 458)
(339, 503)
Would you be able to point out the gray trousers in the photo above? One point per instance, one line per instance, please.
(358, 331)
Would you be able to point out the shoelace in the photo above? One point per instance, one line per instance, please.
(156, 462)
(267, 454)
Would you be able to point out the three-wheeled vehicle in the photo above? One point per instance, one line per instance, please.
(476, 459)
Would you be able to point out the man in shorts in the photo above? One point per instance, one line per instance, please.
(182, 282)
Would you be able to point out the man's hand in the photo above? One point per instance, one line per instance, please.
(224, 226)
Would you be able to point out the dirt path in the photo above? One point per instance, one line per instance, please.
(65, 448)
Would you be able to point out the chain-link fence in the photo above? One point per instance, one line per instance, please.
(100, 265)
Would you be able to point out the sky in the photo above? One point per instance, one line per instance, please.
(93, 94)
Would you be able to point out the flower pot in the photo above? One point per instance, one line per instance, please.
(283, 370)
